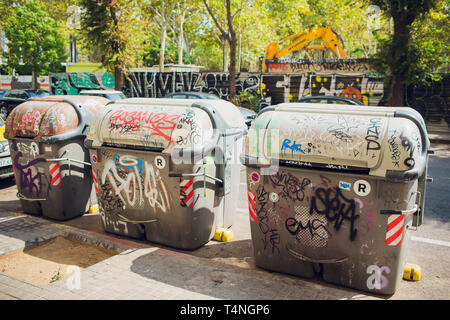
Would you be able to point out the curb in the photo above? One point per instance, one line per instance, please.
(439, 139)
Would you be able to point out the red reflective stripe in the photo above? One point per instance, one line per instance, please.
(95, 180)
(252, 214)
(252, 206)
(188, 196)
(252, 202)
(188, 184)
(55, 178)
(394, 236)
(54, 168)
(394, 223)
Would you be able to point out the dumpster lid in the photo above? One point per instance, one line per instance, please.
(229, 113)
(162, 123)
(52, 116)
(380, 139)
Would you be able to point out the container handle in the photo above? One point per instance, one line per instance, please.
(307, 259)
(418, 170)
(179, 175)
(68, 159)
(120, 217)
(403, 212)
(21, 196)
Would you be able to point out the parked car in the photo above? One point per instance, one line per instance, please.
(248, 115)
(8, 104)
(330, 100)
(6, 169)
(192, 95)
(108, 94)
(25, 93)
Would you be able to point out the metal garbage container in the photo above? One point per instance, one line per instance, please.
(334, 192)
(51, 165)
(167, 169)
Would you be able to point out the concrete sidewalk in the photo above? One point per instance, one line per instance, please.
(142, 271)
(438, 133)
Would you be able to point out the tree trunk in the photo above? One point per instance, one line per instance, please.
(117, 79)
(399, 70)
(397, 92)
(232, 69)
(162, 47)
(224, 56)
(34, 82)
(240, 47)
(232, 42)
(181, 41)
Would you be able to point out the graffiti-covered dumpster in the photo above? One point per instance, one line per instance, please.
(167, 169)
(335, 192)
(51, 164)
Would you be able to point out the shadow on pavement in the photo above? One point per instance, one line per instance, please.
(11, 205)
(7, 183)
(215, 278)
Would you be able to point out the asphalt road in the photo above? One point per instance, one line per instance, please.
(437, 200)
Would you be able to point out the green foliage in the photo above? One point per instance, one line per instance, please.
(113, 28)
(250, 100)
(431, 37)
(132, 38)
(419, 44)
(151, 54)
(207, 52)
(34, 39)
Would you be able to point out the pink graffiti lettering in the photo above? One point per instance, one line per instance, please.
(157, 122)
(28, 121)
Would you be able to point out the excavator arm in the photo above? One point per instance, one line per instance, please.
(301, 40)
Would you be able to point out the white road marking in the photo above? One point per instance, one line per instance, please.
(242, 210)
(426, 240)
(10, 218)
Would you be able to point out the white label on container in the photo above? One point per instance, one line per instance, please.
(160, 162)
(361, 188)
(345, 185)
(274, 197)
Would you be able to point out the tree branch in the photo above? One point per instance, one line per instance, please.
(230, 21)
(224, 34)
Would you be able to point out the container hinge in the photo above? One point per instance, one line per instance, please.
(417, 214)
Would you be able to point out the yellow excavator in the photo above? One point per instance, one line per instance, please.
(300, 41)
